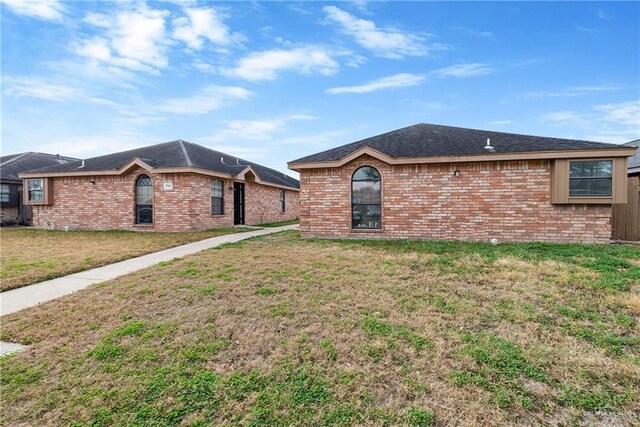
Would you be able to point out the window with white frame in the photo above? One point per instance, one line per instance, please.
(35, 190)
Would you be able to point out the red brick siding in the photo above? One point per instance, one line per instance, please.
(509, 201)
(262, 204)
(109, 203)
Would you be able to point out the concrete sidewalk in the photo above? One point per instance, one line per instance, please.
(28, 296)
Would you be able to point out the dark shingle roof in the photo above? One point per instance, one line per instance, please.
(634, 161)
(13, 164)
(176, 154)
(426, 140)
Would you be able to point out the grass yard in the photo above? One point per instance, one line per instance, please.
(280, 223)
(30, 255)
(283, 331)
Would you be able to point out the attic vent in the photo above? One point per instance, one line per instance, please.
(82, 165)
(488, 147)
(222, 160)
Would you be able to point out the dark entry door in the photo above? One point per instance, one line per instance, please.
(238, 203)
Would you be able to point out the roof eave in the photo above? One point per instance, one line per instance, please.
(529, 155)
(16, 181)
(138, 162)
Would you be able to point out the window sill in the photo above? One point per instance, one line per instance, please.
(217, 215)
(367, 230)
(594, 200)
(144, 225)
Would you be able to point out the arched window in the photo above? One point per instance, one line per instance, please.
(144, 200)
(365, 198)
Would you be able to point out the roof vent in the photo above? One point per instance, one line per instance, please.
(222, 160)
(488, 147)
(82, 165)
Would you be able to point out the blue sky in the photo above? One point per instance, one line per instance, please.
(274, 81)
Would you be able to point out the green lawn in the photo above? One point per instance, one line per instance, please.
(280, 223)
(284, 331)
(32, 255)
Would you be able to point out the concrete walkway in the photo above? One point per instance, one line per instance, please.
(28, 296)
(10, 347)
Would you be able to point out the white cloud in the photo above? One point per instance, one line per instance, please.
(383, 42)
(51, 10)
(624, 113)
(391, 82)
(462, 70)
(38, 88)
(204, 101)
(407, 79)
(318, 139)
(587, 29)
(265, 65)
(615, 123)
(565, 117)
(570, 92)
(133, 38)
(85, 146)
(258, 130)
(202, 24)
(475, 33)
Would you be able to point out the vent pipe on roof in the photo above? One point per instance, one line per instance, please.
(222, 160)
(82, 165)
(488, 147)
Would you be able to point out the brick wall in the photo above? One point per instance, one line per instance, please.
(8, 215)
(509, 201)
(262, 204)
(109, 203)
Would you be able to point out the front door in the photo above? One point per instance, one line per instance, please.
(238, 203)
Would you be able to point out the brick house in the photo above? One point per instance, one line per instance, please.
(446, 183)
(12, 210)
(174, 186)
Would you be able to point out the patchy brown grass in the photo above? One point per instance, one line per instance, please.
(29, 255)
(283, 331)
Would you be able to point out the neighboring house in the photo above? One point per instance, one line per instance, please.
(626, 217)
(12, 210)
(441, 182)
(633, 168)
(173, 186)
